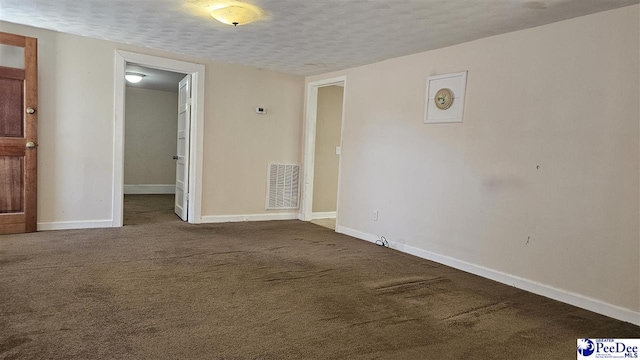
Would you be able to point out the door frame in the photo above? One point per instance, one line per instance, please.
(197, 72)
(306, 210)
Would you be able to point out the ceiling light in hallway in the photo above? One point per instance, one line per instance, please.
(133, 78)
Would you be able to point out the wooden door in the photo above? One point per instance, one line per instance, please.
(18, 133)
(182, 157)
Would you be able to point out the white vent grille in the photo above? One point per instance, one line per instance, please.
(282, 187)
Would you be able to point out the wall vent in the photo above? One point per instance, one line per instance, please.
(283, 186)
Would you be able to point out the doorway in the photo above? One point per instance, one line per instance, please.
(151, 128)
(323, 151)
(192, 136)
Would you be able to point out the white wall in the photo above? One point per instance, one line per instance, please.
(326, 162)
(540, 182)
(76, 125)
(151, 127)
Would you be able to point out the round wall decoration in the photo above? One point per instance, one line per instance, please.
(444, 99)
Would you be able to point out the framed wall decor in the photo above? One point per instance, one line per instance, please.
(445, 98)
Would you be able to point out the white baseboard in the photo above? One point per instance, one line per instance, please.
(564, 296)
(248, 217)
(69, 225)
(356, 234)
(323, 215)
(150, 189)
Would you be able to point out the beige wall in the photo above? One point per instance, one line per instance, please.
(541, 181)
(328, 127)
(151, 127)
(76, 124)
(239, 143)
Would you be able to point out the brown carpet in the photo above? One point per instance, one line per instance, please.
(163, 289)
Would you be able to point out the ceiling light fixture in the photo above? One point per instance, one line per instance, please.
(134, 78)
(235, 13)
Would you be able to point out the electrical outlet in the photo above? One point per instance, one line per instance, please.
(375, 215)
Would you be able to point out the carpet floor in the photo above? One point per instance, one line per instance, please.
(159, 288)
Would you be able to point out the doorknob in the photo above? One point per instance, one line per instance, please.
(175, 157)
(31, 145)
(31, 110)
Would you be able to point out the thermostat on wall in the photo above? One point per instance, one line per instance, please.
(261, 110)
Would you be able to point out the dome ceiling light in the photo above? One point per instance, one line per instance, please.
(133, 78)
(235, 13)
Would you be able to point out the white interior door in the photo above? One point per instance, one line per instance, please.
(182, 163)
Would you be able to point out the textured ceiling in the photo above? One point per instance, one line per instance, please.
(301, 37)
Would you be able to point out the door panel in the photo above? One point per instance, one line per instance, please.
(18, 134)
(182, 163)
(11, 107)
(11, 184)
